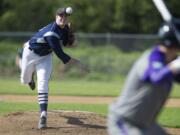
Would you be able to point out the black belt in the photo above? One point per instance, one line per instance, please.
(40, 53)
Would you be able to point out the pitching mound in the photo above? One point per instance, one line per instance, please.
(59, 123)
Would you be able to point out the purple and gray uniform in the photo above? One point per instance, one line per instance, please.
(146, 89)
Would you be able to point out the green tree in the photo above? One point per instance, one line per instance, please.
(23, 15)
(92, 15)
(114, 16)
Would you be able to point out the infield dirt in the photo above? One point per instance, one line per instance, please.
(172, 102)
(59, 123)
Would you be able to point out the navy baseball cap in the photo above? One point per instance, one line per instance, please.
(64, 11)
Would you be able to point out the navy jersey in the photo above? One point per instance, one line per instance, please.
(146, 89)
(50, 38)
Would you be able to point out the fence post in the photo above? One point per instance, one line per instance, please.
(108, 38)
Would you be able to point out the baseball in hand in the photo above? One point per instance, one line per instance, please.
(69, 10)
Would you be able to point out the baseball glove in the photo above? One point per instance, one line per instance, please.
(70, 36)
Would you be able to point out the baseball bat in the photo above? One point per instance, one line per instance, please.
(166, 15)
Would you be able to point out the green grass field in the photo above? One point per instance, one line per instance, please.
(62, 87)
(73, 88)
(170, 117)
(7, 107)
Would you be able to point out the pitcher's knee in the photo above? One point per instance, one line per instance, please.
(43, 86)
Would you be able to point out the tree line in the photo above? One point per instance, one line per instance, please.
(100, 16)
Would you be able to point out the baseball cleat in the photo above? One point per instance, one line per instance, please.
(32, 85)
(42, 123)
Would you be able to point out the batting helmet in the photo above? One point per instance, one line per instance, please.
(169, 34)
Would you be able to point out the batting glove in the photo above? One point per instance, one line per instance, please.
(175, 65)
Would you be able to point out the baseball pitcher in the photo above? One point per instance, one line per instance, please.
(37, 56)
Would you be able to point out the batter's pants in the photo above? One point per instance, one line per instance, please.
(118, 126)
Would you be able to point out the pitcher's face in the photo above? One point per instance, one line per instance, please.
(61, 20)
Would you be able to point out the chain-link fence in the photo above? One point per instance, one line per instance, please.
(127, 42)
(107, 55)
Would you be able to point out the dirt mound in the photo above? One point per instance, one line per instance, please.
(59, 123)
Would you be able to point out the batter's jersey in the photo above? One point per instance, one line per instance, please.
(50, 38)
(146, 89)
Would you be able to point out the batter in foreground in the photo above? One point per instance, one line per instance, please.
(147, 88)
